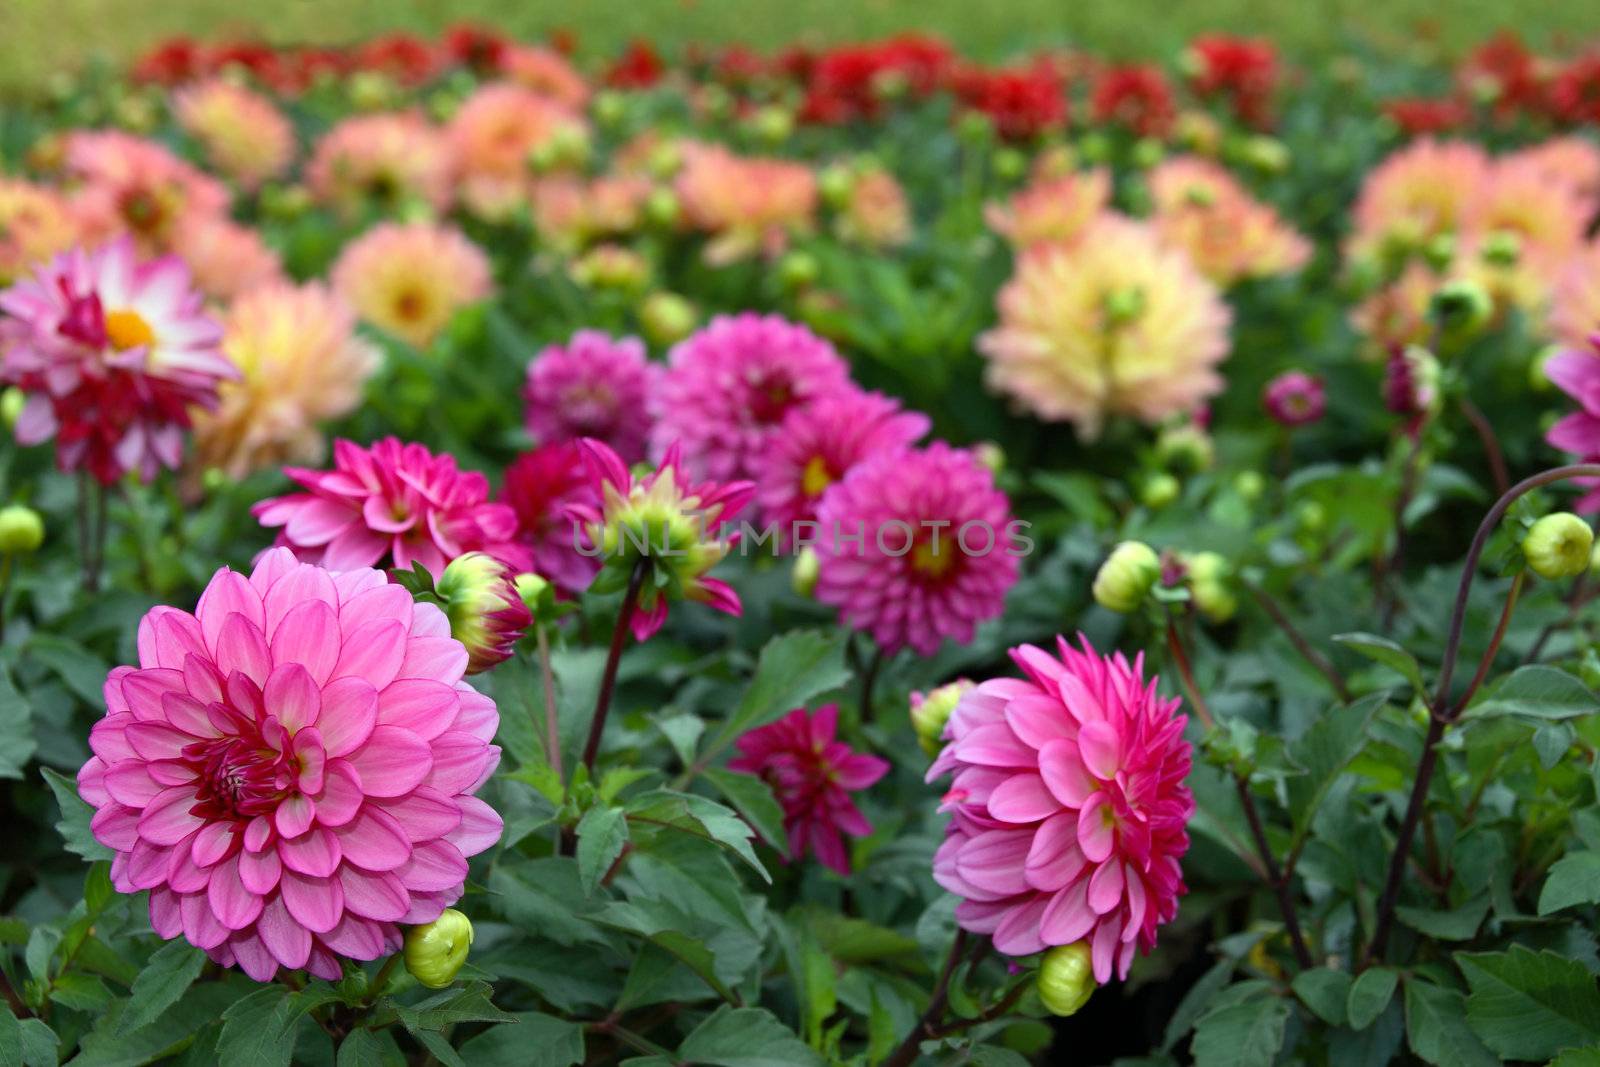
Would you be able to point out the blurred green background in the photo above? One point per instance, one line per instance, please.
(40, 37)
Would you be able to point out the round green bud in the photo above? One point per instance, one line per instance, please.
(1185, 448)
(12, 401)
(1502, 249)
(662, 207)
(1440, 251)
(532, 589)
(1311, 516)
(1123, 306)
(1066, 978)
(1159, 490)
(931, 710)
(1095, 147)
(975, 128)
(666, 318)
(1207, 573)
(990, 455)
(1558, 546)
(1010, 164)
(1461, 308)
(1126, 577)
(796, 270)
(1249, 485)
(836, 182)
(21, 530)
(807, 565)
(370, 91)
(773, 124)
(610, 107)
(1147, 152)
(1267, 154)
(435, 951)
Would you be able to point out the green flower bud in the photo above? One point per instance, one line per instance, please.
(773, 124)
(1123, 306)
(1010, 164)
(990, 455)
(1502, 249)
(1159, 490)
(1249, 485)
(21, 530)
(1461, 308)
(975, 128)
(435, 951)
(535, 591)
(1185, 448)
(1095, 147)
(931, 710)
(12, 401)
(610, 107)
(370, 91)
(1126, 577)
(1207, 573)
(1147, 152)
(662, 208)
(487, 614)
(807, 565)
(1558, 546)
(797, 270)
(666, 318)
(1440, 251)
(836, 182)
(1267, 154)
(1066, 978)
(1538, 380)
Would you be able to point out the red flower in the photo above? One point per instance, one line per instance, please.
(638, 68)
(540, 486)
(1419, 116)
(1243, 70)
(1135, 96)
(406, 58)
(1023, 102)
(849, 82)
(477, 47)
(1574, 93)
(172, 62)
(1505, 71)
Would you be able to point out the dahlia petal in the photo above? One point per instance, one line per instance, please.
(228, 593)
(993, 861)
(315, 853)
(1018, 933)
(318, 521)
(257, 834)
(392, 762)
(1038, 719)
(287, 940)
(1068, 917)
(213, 843)
(443, 659)
(380, 896)
(156, 740)
(1064, 773)
(1103, 949)
(349, 711)
(144, 689)
(147, 865)
(166, 819)
(1137, 900)
(308, 636)
(374, 841)
(116, 827)
(130, 783)
(200, 924)
(259, 871)
(426, 907)
(433, 866)
(994, 745)
(252, 956)
(1105, 887)
(480, 827)
(174, 636)
(425, 707)
(292, 696)
(202, 683)
(1101, 748)
(240, 644)
(425, 813)
(316, 903)
(323, 964)
(234, 906)
(356, 938)
(459, 760)
(296, 587)
(272, 566)
(1022, 798)
(385, 601)
(374, 652)
(294, 815)
(341, 795)
(166, 915)
(1096, 837)
(478, 715)
(1054, 858)
(92, 782)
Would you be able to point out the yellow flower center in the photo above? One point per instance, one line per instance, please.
(126, 329)
(410, 305)
(933, 561)
(817, 477)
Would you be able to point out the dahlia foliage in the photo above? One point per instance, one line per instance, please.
(873, 554)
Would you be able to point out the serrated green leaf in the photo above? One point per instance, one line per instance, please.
(1324, 751)
(602, 835)
(700, 817)
(1370, 993)
(1574, 879)
(1578, 1057)
(363, 1048)
(746, 1037)
(73, 826)
(257, 1029)
(1197, 1001)
(17, 744)
(170, 972)
(81, 670)
(1384, 651)
(534, 1040)
(1528, 1005)
(1248, 1033)
(752, 798)
(1457, 924)
(1436, 1027)
(1326, 992)
(468, 1005)
(1537, 692)
(793, 668)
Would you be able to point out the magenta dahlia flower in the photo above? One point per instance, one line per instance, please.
(917, 545)
(812, 774)
(1295, 398)
(663, 522)
(113, 355)
(391, 501)
(1578, 375)
(819, 444)
(289, 771)
(592, 386)
(1068, 806)
(541, 487)
(729, 386)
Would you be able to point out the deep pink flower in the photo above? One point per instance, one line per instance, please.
(113, 354)
(1578, 375)
(812, 774)
(541, 486)
(289, 771)
(1068, 806)
(391, 501)
(729, 386)
(819, 444)
(915, 546)
(1295, 398)
(592, 386)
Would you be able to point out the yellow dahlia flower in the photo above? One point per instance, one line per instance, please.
(242, 134)
(411, 279)
(35, 223)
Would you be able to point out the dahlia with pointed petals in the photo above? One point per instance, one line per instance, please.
(916, 545)
(1068, 806)
(242, 134)
(1201, 208)
(289, 771)
(1577, 373)
(729, 386)
(1117, 323)
(300, 364)
(812, 774)
(592, 386)
(122, 184)
(663, 522)
(494, 133)
(819, 444)
(1548, 218)
(411, 279)
(383, 160)
(541, 487)
(1051, 208)
(392, 504)
(1422, 191)
(113, 355)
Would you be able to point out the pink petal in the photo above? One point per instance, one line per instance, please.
(130, 783)
(259, 871)
(1105, 887)
(379, 896)
(229, 593)
(315, 853)
(286, 939)
(993, 861)
(252, 956)
(1068, 916)
(213, 844)
(316, 903)
(374, 651)
(156, 740)
(166, 917)
(301, 585)
(318, 521)
(425, 707)
(1054, 858)
(200, 923)
(1064, 773)
(349, 711)
(440, 658)
(433, 866)
(1039, 719)
(1096, 836)
(166, 819)
(1101, 749)
(480, 827)
(458, 762)
(1022, 798)
(425, 813)
(234, 906)
(373, 841)
(292, 696)
(341, 795)
(294, 815)
(308, 635)
(392, 762)
(241, 647)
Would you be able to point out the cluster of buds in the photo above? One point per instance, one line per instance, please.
(1133, 572)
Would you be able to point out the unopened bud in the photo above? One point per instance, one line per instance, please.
(1558, 545)
(1126, 577)
(486, 613)
(1159, 490)
(12, 401)
(21, 530)
(1066, 978)
(1207, 573)
(1461, 308)
(666, 318)
(435, 951)
(931, 710)
(807, 565)
(1185, 447)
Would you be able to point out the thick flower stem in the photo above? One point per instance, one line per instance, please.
(552, 727)
(905, 1053)
(1301, 645)
(608, 680)
(1442, 712)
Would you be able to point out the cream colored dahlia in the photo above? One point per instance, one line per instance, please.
(1200, 207)
(411, 279)
(242, 134)
(1053, 208)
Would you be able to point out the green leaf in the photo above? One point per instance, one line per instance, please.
(75, 815)
(17, 745)
(257, 1029)
(544, 897)
(746, 1037)
(167, 976)
(1384, 651)
(1436, 1027)
(658, 925)
(40, 1045)
(363, 1048)
(83, 672)
(1528, 1005)
(699, 816)
(1197, 1001)
(1551, 741)
(1326, 992)
(1537, 692)
(1370, 993)
(1578, 1057)
(1573, 879)
(1324, 751)
(793, 668)
(752, 798)
(535, 1040)
(1457, 924)
(107, 1046)
(1248, 1033)
(602, 835)
(468, 1005)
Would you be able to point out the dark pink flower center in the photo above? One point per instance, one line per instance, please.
(239, 778)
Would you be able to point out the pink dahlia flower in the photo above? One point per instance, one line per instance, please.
(113, 355)
(1068, 806)
(812, 773)
(819, 444)
(541, 487)
(289, 771)
(592, 386)
(1578, 375)
(1295, 398)
(392, 501)
(915, 546)
(729, 386)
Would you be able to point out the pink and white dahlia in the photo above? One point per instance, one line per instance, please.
(729, 386)
(592, 386)
(289, 771)
(819, 444)
(915, 546)
(1068, 806)
(390, 502)
(113, 355)
(541, 487)
(812, 774)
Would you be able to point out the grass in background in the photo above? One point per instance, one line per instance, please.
(40, 37)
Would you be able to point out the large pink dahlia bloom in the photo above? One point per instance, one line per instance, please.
(812, 774)
(592, 386)
(728, 388)
(289, 771)
(391, 501)
(114, 356)
(1068, 806)
(917, 545)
